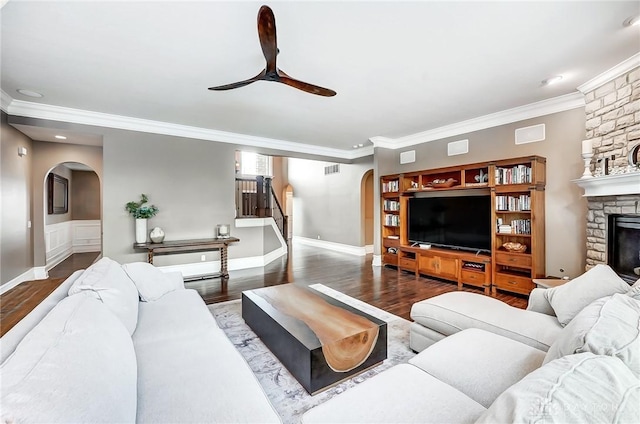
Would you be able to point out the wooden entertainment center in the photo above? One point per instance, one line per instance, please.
(516, 187)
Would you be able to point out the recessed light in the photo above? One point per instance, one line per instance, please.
(552, 80)
(61, 137)
(360, 145)
(632, 21)
(355, 146)
(29, 93)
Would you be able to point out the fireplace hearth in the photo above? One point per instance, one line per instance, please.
(623, 245)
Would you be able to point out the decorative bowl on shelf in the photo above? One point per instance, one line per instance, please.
(515, 247)
(442, 183)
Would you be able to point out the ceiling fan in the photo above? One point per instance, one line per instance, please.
(268, 42)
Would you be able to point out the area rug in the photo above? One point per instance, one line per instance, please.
(287, 396)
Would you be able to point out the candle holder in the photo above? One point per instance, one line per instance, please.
(587, 165)
(222, 231)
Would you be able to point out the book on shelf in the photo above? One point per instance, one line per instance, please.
(504, 229)
(391, 186)
(519, 174)
(391, 205)
(392, 220)
(513, 203)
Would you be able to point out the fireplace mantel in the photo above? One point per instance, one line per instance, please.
(610, 185)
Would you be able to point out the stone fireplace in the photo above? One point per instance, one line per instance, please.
(613, 216)
(607, 242)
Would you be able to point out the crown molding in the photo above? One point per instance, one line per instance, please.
(99, 119)
(611, 74)
(532, 110)
(5, 101)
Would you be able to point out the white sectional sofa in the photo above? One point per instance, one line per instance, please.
(128, 344)
(581, 364)
(538, 326)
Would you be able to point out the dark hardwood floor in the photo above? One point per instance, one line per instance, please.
(383, 287)
(17, 302)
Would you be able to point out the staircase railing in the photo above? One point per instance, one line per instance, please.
(255, 198)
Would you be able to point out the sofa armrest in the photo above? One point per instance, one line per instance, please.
(539, 303)
(176, 278)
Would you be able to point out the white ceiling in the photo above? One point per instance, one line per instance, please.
(399, 68)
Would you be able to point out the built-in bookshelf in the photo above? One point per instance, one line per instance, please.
(518, 242)
(517, 202)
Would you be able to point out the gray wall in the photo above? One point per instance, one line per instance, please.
(49, 219)
(85, 193)
(192, 182)
(16, 252)
(329, 206)
(565, 208)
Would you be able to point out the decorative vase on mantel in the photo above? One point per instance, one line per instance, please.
(141, 230)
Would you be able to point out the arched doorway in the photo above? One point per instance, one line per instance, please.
(366, 196)
(72, 213)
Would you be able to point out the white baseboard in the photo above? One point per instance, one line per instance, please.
(59, 257)
(377, 260)
(36, 273)
(368, 248)
(338, 247)
(202, 268)
(40, 272)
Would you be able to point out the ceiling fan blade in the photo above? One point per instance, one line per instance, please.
(267, 35)
(239, 84)
(305, 86)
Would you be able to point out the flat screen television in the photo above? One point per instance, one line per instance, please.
(456, 222)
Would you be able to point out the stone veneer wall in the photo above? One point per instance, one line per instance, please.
(613, 125)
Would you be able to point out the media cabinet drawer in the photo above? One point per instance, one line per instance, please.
(390, 259)
(408, 263)
(503, 258)
(514, 283)
(472, 277)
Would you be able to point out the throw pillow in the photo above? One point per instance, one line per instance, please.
(581, 388)
(570, 298)
(151, 283)
(106, 281)
(634, 291)
(608, 326)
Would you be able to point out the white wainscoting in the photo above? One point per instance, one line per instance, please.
(65, 238)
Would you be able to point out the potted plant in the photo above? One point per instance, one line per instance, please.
(141, 212)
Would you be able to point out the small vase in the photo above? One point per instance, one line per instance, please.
(141, 230)
(156, 235)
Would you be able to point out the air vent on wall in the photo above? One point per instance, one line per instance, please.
(408, 157)
(530, 134)
(459, 147)
(332, 169)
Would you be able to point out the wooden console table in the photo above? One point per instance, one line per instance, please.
(190, 246)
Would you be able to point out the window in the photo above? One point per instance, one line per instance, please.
(255, 164)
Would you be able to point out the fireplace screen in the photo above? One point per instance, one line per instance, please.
(624, 246)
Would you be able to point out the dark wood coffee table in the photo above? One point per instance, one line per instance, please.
(319, 339)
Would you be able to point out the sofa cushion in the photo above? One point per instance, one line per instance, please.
(106, 281)
(455, 311)
(467, 361)
(76, 366)
(581, 388)
(402, 394)
(178, 314)
(570, 298)
(608, 326)
(151, 283)
(634, 291)
(189, 371)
